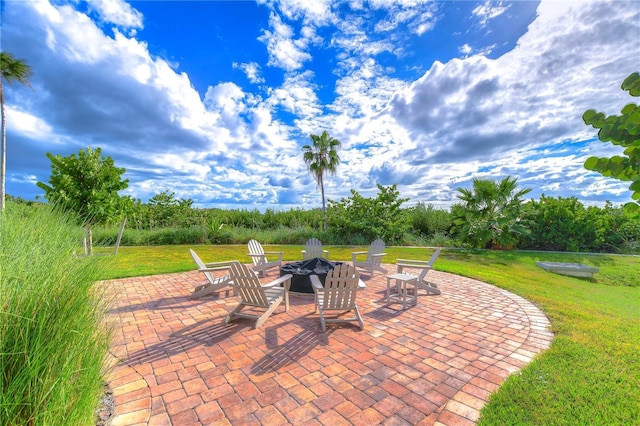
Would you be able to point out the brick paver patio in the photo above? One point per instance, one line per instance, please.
(434, 363)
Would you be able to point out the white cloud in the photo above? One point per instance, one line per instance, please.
(489, 10)
(465, 49)
(30, 179)
(268, 133)
(252, 70)
(117, 12)
(297, 96)
(423, 26)
(418, 16)
(482, 108)
(365, 92)
(357, 37)
(317, 12)
(226, 98)
(27, 124)
(474, 117)
(284, 51)
(189, 164)
(72, 34)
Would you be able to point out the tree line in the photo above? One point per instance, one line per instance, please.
(506, 221)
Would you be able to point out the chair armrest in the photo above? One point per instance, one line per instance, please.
(279, 253)
(324, 252)
(412, 263)
(279, 281)
(355, 254)
(216, 266)
(315, 282)
(212, 270)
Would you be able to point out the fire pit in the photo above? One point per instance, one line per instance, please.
(301, 271)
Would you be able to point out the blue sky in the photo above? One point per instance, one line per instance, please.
(214, 100)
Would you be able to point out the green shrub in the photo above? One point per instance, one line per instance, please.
(441, 240)
(53, 337)
(107, 236)
(429, 221)
(165, 210)
(558, 224)
(366, 219)
(551, 224)
(565, 224)
(490, 214)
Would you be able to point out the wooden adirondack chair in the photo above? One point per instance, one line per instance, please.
(424, 267)
(313, 249)
(214, 283)
(262, 299)
(259, 258)
(373, 259)
(338, 294)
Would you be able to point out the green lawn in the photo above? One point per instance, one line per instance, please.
(591, 373)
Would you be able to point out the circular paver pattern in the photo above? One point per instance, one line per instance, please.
(176, 363)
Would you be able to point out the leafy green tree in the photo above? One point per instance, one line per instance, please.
(87, 184)
(12, 70)
(166, 210)
(491, 213)
(622, 130)
(322, 158)
(365, 219)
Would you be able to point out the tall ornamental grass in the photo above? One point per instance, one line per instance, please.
(53, 334)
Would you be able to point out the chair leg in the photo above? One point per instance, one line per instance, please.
(430, 288)
(433, 290)
(202, 290)
(231, 314)
(355, 308)
(322, 323)
(267, 313)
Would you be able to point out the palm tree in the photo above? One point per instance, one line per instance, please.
(322, 158)
(491, 214)
(12, 70)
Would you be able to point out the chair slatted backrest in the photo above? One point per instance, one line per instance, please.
(313, 248)
(432, 260)
(247, 285)
(256, 248)
(375, 248)
(201, 265)
(341, 287)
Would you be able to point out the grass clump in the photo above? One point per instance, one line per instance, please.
(53, 337)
